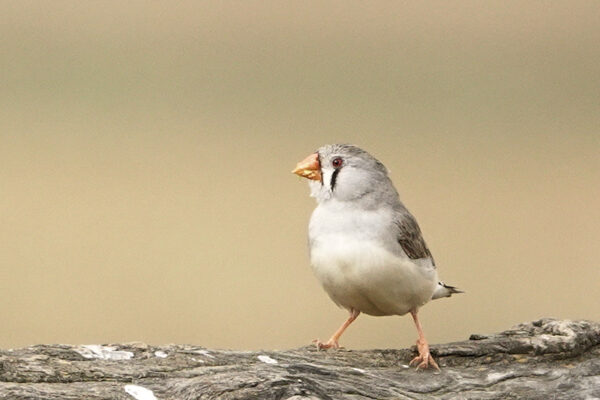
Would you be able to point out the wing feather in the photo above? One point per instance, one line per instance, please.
(409, 235)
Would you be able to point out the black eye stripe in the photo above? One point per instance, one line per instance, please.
(334, 178)
(320, 168)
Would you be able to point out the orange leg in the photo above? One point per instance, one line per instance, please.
(333, 341)
(424, 359)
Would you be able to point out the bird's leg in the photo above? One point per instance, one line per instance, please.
(424, 359)
(333, 341)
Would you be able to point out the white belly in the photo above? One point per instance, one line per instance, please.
(359, 274)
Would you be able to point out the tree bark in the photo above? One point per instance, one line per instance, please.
(545, 359)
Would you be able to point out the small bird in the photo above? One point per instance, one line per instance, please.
(366, 248)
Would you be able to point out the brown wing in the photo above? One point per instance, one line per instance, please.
(409, 236)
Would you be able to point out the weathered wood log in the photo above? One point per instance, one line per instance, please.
(545, 359)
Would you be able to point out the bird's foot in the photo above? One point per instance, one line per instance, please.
(424, 359)
(330, 344)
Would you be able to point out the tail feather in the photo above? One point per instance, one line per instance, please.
(443, 290)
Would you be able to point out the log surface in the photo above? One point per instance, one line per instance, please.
(545, 359)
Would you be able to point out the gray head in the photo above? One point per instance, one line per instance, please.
(346, 173)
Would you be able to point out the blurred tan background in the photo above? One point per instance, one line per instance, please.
(146, 149)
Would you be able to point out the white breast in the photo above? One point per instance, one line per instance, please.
(356, 270)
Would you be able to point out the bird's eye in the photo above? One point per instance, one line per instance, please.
(337, 162)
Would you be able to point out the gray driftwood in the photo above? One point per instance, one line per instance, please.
(545, 359)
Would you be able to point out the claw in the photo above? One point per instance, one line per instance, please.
(424, 360)
(330, 344)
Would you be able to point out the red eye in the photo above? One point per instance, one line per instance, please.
(337, 162)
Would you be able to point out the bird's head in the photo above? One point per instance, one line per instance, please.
(343, 172)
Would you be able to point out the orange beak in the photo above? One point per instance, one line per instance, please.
(309, 167)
